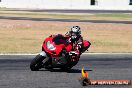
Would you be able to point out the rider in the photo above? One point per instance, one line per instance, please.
(75, 38)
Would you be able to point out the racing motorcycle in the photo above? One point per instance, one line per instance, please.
(56, 53)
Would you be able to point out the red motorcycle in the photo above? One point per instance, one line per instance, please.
(56, 53)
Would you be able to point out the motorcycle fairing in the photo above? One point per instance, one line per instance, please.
(58, 43)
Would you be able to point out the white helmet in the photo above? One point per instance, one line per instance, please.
(75, 32)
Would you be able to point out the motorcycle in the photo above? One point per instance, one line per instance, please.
(56, 53)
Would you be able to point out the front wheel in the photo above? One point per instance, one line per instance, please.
(36, 63)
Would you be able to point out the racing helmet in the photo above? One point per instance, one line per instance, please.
(75, 32)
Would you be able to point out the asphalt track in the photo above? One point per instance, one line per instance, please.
(72, 11)
(63, 20)
(15, 72)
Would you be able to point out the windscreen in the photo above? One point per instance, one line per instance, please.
(59, 39)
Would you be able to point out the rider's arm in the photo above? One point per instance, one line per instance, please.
(79, 46)
(80, 43)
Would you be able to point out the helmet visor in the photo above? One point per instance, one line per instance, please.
(74, 35)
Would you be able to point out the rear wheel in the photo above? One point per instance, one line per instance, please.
(37, 63)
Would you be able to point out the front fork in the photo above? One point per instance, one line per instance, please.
(46, 62)
(43, 54)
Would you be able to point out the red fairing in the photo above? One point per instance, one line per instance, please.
(57, 43)
(68, 48)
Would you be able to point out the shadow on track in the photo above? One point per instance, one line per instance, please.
(68, 71)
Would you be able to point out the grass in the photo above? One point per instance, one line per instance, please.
(108, 16)
(117, 15)
(40, 14)
(11, 11)
(4, 9)
(19, 36)
(23, 36)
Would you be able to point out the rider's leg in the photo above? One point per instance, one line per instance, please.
(86, 45)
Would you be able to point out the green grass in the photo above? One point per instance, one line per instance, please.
(8, 11)
(5, 8)
(107, 16)
(41, 14)
(118, 15)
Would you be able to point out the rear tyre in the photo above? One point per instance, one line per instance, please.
(37, 63)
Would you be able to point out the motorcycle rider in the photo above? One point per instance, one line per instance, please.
(75, 38)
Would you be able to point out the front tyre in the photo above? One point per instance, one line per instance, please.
(36, 63)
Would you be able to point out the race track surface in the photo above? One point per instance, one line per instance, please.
(64, 20)
(15, 72)
(74, 11)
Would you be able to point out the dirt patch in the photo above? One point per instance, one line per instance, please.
(27, 36)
